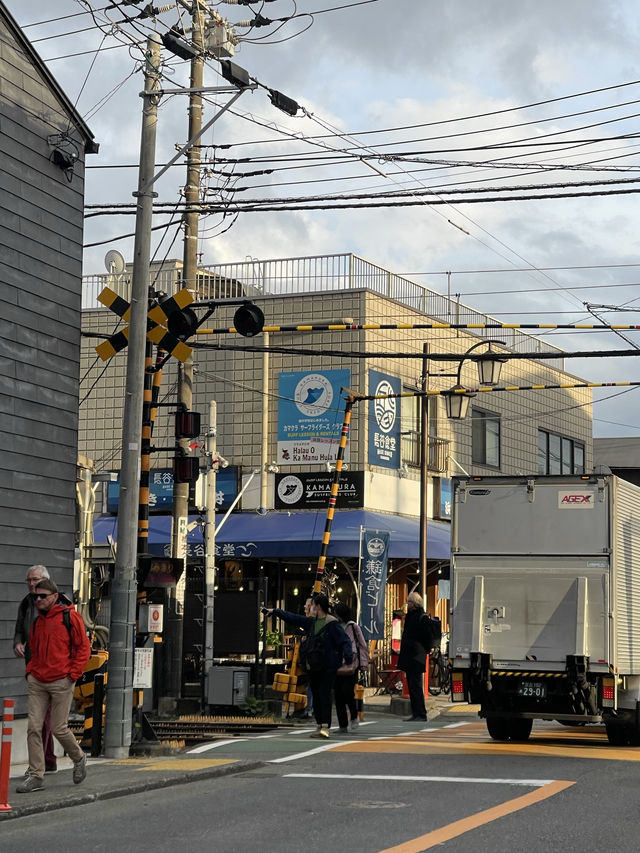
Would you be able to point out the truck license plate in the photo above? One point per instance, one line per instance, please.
(533, 689)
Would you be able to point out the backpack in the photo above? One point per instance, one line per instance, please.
(313, 651)
(435, 629)
(360, 650)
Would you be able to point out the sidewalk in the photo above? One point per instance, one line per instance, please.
(108, 778)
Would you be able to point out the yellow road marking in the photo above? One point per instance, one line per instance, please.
(436, 746)
(460, 708)
(174, 763)
(459, 827)
(472, 739)
(189, 763)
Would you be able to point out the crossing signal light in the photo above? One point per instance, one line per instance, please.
(186, 469)
(181, 321)
(187, 424)
(248, 320)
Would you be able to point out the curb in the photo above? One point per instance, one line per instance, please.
(38, 806)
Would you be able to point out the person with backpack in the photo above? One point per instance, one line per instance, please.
(321, 654)
(59, 650)
(415, 645)
(27, 612)
(347, 674)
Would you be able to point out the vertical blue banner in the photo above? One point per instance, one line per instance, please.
(373, 583)
(384, 421)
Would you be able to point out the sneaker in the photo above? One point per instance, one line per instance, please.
(353, 725)
(321, 734)
(415, 719)
(80, 770)
(344, 730)
(51, 768)
(29, 783)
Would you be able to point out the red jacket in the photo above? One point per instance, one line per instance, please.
(55, 654)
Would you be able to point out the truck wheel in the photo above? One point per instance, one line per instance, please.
(521, 729)
(498, 728)
(617, 735)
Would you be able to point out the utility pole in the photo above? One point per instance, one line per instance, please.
(173, 632)
(424, 470)
(118, 720)
(210, 546)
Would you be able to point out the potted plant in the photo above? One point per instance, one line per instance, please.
(271, 639)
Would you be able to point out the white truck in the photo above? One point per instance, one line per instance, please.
(545, 618)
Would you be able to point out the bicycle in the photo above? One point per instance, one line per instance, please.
(439, 673)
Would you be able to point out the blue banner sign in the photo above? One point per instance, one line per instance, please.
(445, 498)
(373, 583)
(384, 421)
(310, 416)
(161, 490)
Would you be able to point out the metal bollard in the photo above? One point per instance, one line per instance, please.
(5, 754)
(98, 715)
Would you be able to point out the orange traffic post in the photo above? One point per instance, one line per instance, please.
(405, 686)
(5, 754)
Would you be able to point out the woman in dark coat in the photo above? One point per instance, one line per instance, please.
(335, 648)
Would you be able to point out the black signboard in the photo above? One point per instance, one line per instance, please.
(312, 491)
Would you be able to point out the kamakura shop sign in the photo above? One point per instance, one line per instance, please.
(312, 491)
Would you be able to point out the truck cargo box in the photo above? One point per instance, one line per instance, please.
(546, 596)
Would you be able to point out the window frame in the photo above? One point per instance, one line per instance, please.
(480, 420)
(550, 442)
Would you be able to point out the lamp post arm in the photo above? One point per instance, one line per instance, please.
(471, 349)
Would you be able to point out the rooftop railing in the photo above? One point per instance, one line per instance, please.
(318, 274)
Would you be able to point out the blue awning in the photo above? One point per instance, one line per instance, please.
(295, 534)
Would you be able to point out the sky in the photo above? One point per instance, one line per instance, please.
(493, 101)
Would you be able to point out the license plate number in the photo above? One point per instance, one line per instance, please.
(532, 689)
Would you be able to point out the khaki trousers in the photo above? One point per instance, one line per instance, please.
(59, 693)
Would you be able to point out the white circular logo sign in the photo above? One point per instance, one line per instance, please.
(313, 394)
(375, 547)
(290, 489)
(385, 410)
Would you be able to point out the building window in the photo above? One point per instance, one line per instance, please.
(411, 430)
(485, 438)
(412, 426)
(558, 454)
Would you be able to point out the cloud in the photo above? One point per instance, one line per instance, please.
(392, 64)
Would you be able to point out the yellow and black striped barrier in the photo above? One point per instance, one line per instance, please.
(364, 327)
(85, 696)
(528, 674)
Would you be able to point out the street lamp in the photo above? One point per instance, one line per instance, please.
(489, 367)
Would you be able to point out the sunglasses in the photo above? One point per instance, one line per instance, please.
(42, 594)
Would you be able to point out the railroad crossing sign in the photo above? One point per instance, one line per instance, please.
(158, 321)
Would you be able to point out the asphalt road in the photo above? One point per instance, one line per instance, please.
(391, 787)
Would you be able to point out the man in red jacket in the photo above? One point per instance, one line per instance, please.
(59, 651)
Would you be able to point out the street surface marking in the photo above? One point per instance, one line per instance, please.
(460, 708)
(187, 763)
(459, 827)
(308, 752)
(527, 783)
(207, 746)
(472, 738)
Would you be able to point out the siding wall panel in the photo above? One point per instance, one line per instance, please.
(41, 228)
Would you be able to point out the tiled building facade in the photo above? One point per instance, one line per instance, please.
(502, 433)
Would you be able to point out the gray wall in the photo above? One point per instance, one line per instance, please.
(41, 216)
